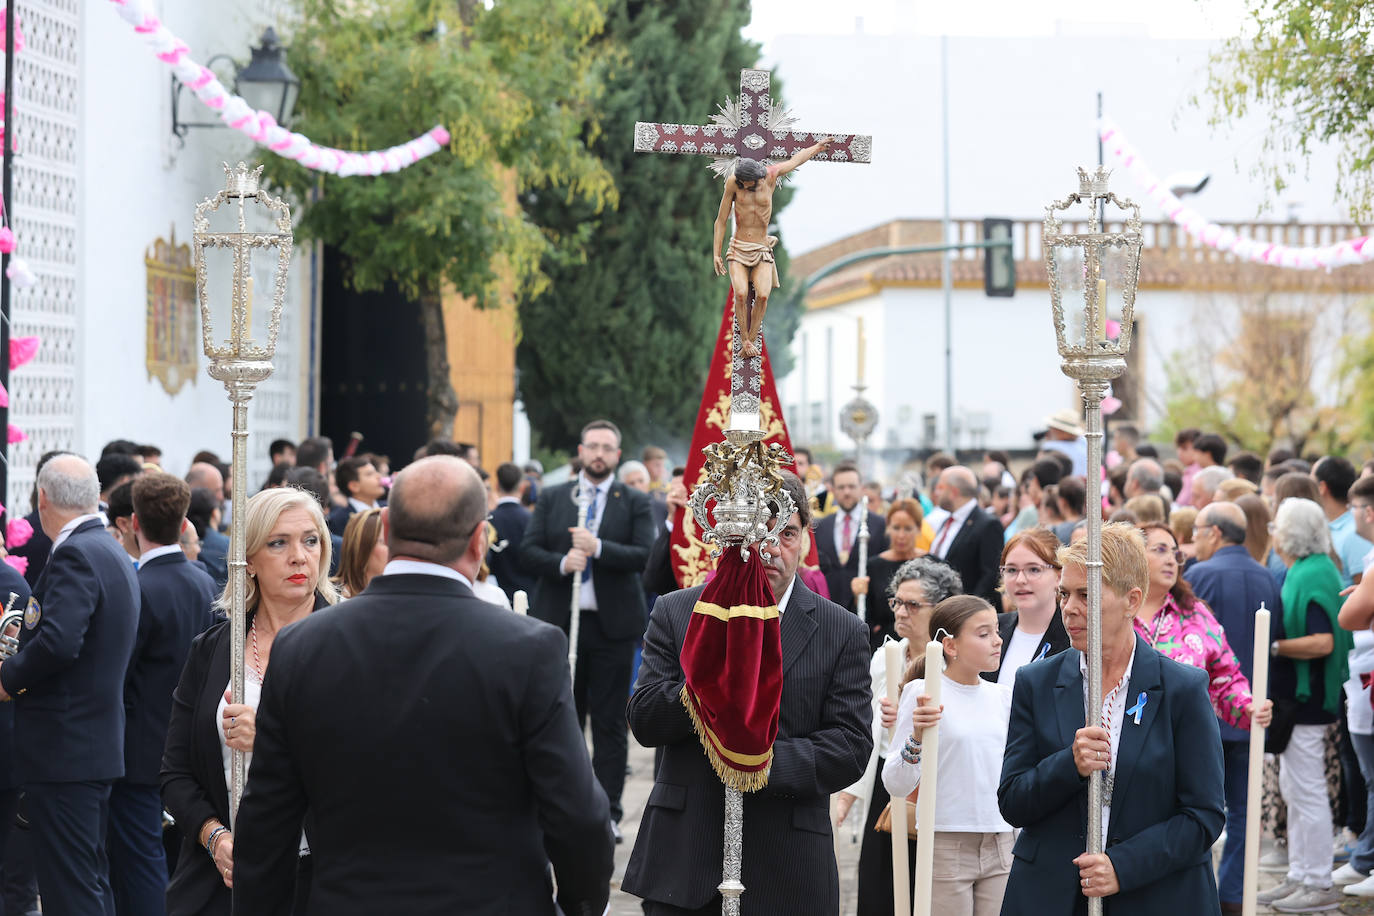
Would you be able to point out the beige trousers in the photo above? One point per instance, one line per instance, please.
(970, 873)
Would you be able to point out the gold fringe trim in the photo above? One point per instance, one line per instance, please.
(739, 610)
(733, 778)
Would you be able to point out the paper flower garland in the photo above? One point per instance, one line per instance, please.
(260, 126)
(1358, 250)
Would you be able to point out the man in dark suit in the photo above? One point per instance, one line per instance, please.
(36, 549)
(1157, 745)
(968, 539)
(609, 554)
(823, 745)
(359, 482)
(214, 546)
(509, 519)
(470, 774)
(14, 593)
(837, 535)
(175, 607)
(1233, 585)
(68, 683)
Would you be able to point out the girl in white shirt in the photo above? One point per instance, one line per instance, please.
(972, 855)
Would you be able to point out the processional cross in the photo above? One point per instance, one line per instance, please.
(748, 505)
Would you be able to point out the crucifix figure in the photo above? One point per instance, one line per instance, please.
(753, 142)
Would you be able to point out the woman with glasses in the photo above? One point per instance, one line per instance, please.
(914, 589)
(1179, 626)
(1032, 629)
(908, 537)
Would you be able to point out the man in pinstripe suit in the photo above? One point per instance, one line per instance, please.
(822, 746)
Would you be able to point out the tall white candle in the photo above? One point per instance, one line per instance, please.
(1259, 689)
(925, 801)
(901, 874)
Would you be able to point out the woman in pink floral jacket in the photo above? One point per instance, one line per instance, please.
(1179, 626)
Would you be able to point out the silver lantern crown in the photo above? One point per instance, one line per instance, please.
(1098, 270)
(240, 363)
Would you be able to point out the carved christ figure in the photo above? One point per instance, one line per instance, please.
(749, 191)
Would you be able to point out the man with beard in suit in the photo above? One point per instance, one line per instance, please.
(968, 539)
(823, 744)
(837, 535)
(609, 554)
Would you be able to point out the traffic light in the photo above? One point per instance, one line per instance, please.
(999, 261)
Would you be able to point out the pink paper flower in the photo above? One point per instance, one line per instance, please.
(19, 563)
(4, 397)
(22, 349)
(7, 241)
(17, 434)
(18, 532)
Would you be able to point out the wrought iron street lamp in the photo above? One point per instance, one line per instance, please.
(266, 83)
(1093, 274)
(241, 363)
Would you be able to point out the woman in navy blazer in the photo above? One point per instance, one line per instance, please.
(1166, 805)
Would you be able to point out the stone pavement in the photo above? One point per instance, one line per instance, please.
(640, 781)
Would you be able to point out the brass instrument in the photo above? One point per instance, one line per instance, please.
(10, 644)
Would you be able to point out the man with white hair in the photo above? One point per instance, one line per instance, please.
(1145, 476)
(1205, 483)
(67, 680)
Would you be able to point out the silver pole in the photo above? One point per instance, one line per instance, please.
(575, 621)
(238, 584)
(946, 281)
(862, 604)
(1093, 392)
(731, 886)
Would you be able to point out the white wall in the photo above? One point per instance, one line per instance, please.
(136, 184)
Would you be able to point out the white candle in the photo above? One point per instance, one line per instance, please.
(1101, 309)
(862, 348)
(1259, 689)
(522, 602)
(895, 663)
(925, 802)
(248, 311)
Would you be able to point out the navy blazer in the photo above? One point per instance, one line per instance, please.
(838, 576)
(1054, 640)
(214, 556)
(176, 600)
(11, 583)
(1167, 806)
(823, 744)
(627, 533)
(1233, 585)
(503, 557)
(68, 676)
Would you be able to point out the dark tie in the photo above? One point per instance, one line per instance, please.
(591, 517)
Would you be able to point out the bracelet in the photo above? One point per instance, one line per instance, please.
(214, 836)
(911, 751)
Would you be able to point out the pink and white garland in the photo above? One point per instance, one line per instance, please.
(260, 126)
(1358, 250)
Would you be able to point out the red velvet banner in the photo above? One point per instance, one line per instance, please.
(732, 659)
(691, 558)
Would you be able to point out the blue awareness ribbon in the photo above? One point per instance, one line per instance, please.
(1139, 706)
(1044, 651)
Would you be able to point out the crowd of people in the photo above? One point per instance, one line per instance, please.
(418, 690)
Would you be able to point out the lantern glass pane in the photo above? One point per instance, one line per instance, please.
(1070, 271)
(258, 264)
(1115, 270)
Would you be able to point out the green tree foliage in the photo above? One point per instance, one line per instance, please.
(516, 86)
(1309, 66)
(627, 332)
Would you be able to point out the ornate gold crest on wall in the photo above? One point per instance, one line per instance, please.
(173, 342)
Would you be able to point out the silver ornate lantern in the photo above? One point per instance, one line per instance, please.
(241, 363)
(1094, 274)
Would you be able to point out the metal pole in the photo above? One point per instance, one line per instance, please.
(8, 181)
(945, 278)
(1093, 392)
(575, 619)
(861, 603)
(238, 584)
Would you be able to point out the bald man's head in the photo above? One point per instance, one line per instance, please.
(207, 476)
(435, 506)
(955, 486)
(1228, 518)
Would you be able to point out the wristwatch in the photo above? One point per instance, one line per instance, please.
(1274, 648)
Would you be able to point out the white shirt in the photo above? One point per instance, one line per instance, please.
(1359, 713)
(423, 568)
(71, 526)
(164, 550)
(973, 738)
(854, 515)
(877, 672)
(940, 547)
(1020, 651)
(491, 593)
(359, 506)
(786, 596)
(1113, 717)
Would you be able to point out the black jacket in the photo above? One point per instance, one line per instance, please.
(503, 557)
(176, 599)
(626, 531)
(838, 576)
(11, 583)
(67, 678)
(976, 555)
(1054, 640)
(469, 777)
(824, 740)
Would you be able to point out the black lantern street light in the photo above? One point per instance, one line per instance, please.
(266, 84)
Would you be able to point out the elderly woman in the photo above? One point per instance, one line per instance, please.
(1310, 667)
(287, 550)
(1155, 741)
(364, 553)
(914, 589)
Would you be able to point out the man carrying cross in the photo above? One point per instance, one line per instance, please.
(749, 190)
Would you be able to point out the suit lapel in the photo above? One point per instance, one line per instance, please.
(1068, 698)
(798, 623)
(964, 530)
(1144, 679)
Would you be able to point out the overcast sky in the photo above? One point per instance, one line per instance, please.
(1156, 19)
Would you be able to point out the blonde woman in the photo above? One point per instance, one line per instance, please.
(288, 547)
(364, 552)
